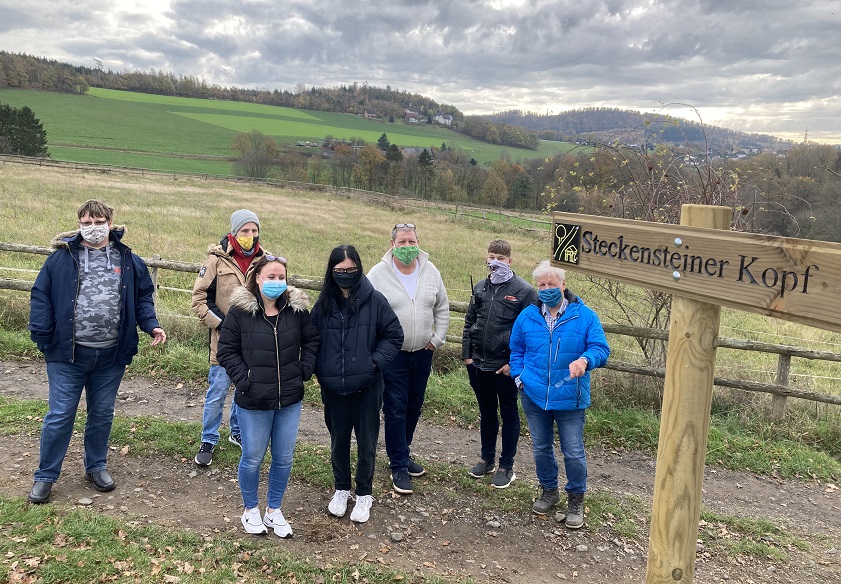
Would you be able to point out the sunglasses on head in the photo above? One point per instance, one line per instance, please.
(405, 226)
(271, 258)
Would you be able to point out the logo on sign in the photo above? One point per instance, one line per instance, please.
(566, 243)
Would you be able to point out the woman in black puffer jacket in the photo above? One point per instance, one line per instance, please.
(268, 347)
(359, 334)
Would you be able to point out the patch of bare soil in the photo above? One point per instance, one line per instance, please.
(438, 530)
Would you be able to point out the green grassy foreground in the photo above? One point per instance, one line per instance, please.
(103, 125)
(49, 543)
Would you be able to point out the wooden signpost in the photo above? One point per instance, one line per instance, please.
(704, 266)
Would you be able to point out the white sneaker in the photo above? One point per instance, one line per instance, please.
(251, 522)
(362, 509)
(276, 521)
(338, 504)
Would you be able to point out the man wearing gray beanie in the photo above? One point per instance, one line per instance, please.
(226, 269)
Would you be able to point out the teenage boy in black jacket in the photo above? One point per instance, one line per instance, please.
(496, 302)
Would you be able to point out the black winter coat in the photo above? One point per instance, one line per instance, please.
(355, 345)
(490, 317)
(268, 367)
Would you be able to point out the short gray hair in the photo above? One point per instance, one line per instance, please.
(403, 227)
(545, 268)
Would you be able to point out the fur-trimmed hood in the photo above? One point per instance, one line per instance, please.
(296, 298)
(63, 240)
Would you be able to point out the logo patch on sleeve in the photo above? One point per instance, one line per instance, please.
(203, 271)
(511, 298)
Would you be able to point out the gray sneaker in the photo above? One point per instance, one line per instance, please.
(480, 469)
(548, 498)
(503, 478)
(575, 510)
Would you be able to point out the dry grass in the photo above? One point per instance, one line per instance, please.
(178, 219)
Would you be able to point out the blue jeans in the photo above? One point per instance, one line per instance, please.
(571, 433)
(93, 370)
(258, 428)
(405, 388)
(214, 403)
(496, 392)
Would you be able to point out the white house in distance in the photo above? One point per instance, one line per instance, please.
(443, 119)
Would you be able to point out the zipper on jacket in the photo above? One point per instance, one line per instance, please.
(549, 364)
(123, 269)
(487, 320)
(277, 355)
(342, 318)
(75, 303)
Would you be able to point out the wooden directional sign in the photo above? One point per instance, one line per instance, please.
(793, 279)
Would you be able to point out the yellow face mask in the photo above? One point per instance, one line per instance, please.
(246, 243)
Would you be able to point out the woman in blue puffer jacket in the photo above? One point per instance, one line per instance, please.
(554, 345)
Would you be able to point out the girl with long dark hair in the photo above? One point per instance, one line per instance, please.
(359, 334)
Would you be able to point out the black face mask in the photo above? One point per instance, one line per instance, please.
(345, 280)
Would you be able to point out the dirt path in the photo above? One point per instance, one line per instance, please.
(453, 534)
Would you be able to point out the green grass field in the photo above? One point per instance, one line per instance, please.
(135, 129)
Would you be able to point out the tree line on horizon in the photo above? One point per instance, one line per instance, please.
(605, 124)
(792, 194)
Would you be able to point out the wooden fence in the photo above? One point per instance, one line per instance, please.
(779, 390)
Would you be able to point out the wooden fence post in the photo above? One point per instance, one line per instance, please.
(153, 272)
(778, 402)
(684, 425)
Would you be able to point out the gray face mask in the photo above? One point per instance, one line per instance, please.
(95, 234)
(499, 271)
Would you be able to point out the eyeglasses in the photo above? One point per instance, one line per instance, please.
(405, 226)
(98, 223)
(345, 270)
(271, 258)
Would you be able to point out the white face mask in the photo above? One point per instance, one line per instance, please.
(95, 234)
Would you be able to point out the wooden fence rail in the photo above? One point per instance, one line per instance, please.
(779, 390)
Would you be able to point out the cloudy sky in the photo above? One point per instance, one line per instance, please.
(768, 66)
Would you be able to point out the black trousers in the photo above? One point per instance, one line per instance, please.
(358, 412)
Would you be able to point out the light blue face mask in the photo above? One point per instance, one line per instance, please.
(273, 289)
(551, 297)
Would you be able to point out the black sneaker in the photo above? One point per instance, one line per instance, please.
(205, 455)
(503, 478)
(401, 482)
(415, 470)
(235, 439)
(481, 469)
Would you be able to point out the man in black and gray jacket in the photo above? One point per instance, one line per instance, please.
(494, 306)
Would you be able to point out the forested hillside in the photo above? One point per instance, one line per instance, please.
(608, 125)
(28, 72)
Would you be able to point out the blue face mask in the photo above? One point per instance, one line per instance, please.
(273, 289)
(551, 297)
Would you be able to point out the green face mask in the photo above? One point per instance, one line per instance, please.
(407, 254)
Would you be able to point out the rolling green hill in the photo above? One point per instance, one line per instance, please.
(194, 135)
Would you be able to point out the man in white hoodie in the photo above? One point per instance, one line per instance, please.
(414, 289)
